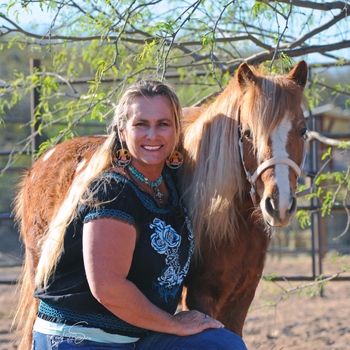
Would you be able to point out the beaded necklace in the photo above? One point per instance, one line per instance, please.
(153, 184)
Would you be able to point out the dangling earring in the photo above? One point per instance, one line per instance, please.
(123, 158)
(175, 160)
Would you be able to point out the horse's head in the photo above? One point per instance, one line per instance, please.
(272, 139)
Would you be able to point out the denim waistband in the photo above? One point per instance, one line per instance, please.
(109, 324)
(79, 332)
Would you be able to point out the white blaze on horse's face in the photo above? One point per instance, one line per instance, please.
(278, 204)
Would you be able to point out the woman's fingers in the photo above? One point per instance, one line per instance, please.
(194, 321)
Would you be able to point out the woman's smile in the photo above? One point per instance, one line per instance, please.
(151, 148)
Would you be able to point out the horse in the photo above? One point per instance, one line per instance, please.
(243, 154)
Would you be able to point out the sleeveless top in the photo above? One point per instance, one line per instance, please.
(160, 262)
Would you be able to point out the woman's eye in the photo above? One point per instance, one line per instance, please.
(304, 133)
(164, 122)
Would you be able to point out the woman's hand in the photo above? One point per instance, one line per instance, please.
(193, 322)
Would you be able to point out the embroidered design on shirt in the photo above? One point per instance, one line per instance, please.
(165, 240)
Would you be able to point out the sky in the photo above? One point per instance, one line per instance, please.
(33, 15)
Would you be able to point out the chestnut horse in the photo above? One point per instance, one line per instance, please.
(243, 154)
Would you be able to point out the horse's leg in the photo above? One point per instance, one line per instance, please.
(205, 283)
(197, 299)
(224, 299)
(233, 313)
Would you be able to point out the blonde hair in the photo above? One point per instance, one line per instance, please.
(101, 160)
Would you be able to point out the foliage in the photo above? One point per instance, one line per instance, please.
(330, 188)
(90, 50)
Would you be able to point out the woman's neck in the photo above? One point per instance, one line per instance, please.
(155, 188)
(151, 172)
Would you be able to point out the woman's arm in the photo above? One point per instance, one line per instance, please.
(108, 247)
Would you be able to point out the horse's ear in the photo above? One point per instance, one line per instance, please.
(299, 73)
(245, 74)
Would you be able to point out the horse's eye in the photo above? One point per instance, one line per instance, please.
(304, 133)
(247, 134)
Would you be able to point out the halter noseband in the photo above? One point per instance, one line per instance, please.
(252, 178)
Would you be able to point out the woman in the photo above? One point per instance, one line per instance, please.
(111, 271)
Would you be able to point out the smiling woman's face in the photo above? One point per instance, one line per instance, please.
(150, 133)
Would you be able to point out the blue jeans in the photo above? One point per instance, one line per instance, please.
(210, 339)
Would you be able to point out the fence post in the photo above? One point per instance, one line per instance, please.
(34, 102)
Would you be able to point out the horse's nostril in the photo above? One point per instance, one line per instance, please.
(293, 206)
(269, 205)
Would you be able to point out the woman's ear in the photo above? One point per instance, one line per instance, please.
(122, 135)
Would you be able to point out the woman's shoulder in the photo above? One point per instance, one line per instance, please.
(107, 185)
(110, 195)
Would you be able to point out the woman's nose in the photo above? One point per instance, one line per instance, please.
(152, 132)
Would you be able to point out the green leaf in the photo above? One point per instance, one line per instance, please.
(304, 218)
(167, 27)
(327, 154)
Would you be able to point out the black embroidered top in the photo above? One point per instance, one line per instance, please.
(160, 262)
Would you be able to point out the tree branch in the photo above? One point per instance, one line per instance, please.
(318, 30)
(267, 55)
(313, 135)
(325, 6)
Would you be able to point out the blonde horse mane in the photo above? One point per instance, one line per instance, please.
(213, 183)
(211, 158)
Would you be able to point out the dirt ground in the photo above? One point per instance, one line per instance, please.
(284, 315)
(299, 315)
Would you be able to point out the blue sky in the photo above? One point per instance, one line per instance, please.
(33, 15)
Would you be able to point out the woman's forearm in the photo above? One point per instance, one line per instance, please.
(127, 302)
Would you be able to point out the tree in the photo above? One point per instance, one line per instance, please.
(196, 45)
